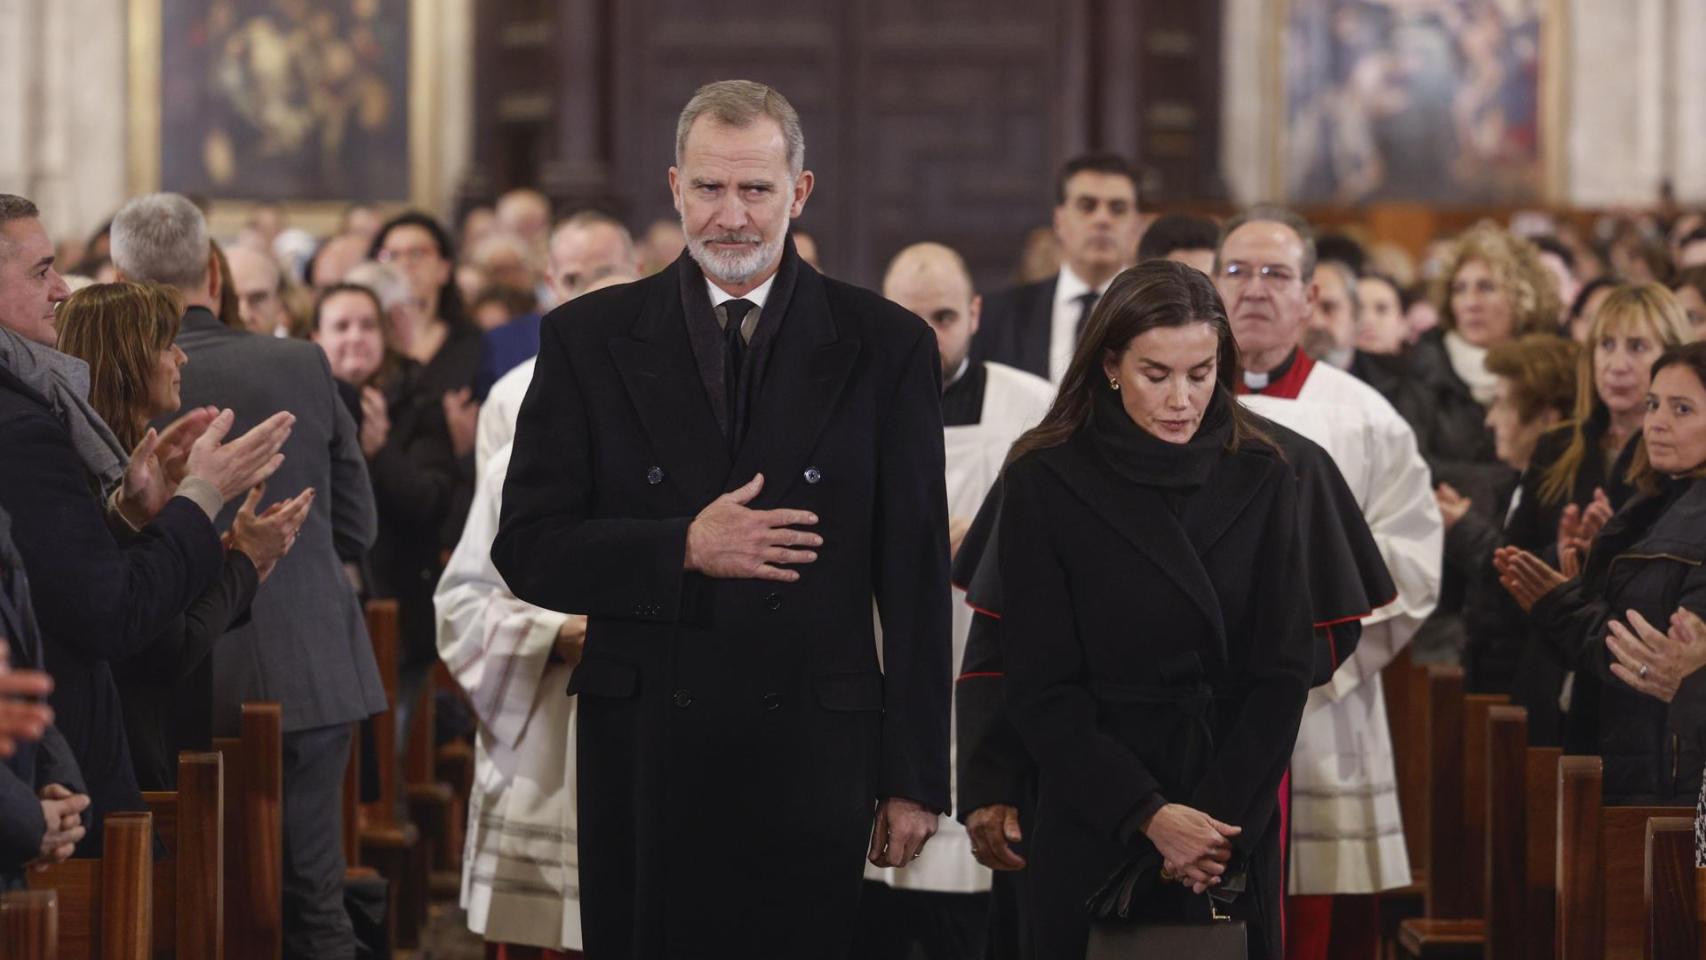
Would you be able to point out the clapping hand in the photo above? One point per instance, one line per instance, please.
(375, 422)
(233, 467)
(1577, 527)
(1453, 506)
(731, 541)
(1525, 576)
(266, 538)
(157, 466)
(1656, 663)
(462, 416)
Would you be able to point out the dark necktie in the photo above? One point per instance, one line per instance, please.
(1086, 302)
(734, 359)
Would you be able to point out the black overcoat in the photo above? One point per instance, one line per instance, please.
(735, 734)
(1146, 653)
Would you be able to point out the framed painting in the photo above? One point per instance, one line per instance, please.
(1452, 102)
(300, 102)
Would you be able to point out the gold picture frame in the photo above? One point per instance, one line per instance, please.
(424, 92)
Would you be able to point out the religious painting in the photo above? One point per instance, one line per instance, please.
(275, 100)
(1434, 101)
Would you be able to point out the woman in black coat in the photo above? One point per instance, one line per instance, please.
(1650, 558)
(1157, 627)
(125, 332)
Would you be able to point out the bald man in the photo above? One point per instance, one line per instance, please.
(256, 278)
(939, 907)
(586, 250)
(335, 258)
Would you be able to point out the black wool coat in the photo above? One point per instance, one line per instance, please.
(1651, 558)
(1149, 652)
(735, 735)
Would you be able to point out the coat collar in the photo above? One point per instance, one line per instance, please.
(1141, 515)
(807, 370)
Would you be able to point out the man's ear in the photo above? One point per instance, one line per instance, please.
(215, 283)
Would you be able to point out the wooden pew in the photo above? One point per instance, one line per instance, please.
(106, 904)
(1668, 890)
(1539, 929)
(1493, 805)
(1405, 685)
(189, 893)
(390, 843)
(254, 834)
(1601, 853)
(29, 924)
(1700, 909)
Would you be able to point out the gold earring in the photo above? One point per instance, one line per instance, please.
(1113, 383)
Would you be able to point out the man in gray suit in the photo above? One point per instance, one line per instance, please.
(306, 644)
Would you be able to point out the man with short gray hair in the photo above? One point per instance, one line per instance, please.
(721, 466)
(306, 643)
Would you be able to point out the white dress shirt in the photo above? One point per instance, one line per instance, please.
(1063, 330)
(757, 296)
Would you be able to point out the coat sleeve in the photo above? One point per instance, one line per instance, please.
(1242, 785)
(355, 519)
(909, 573)
(550, 548)
(1047, 699)
(496, 646)
(1403, 516)
(993, 766)
(100, 600)
(217, 610)
(21, 822)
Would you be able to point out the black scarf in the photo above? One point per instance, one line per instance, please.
(1141, 457)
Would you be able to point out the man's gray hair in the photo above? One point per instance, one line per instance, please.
(161, 238)
(738, 103)
(14, 207)
(1268, 213)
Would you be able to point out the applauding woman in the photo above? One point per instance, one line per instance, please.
(1157, 628)
(125, 332)
(1647, 561)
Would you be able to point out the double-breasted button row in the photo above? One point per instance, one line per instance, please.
(813, 474)
(648, 609)
(773, 601)
(654, 476)
(683, 698)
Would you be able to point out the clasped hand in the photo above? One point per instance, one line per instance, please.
(730, 541)
(1195, 847)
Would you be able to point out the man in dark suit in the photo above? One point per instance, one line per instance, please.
(306, 643)
(1035, 326)
(721, 466)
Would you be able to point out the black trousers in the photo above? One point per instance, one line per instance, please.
(919, 924)
(316, 926)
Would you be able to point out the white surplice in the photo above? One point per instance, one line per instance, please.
(520, 877)
(1347, 833)
(1013, 401)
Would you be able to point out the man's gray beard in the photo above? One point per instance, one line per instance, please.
(735, 269)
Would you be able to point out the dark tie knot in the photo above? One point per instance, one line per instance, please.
(734, 314)
(1085, 302)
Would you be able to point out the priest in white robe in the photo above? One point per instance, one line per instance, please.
(937, 908)
(1346, 829)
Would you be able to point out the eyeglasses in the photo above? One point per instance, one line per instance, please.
(1238, 274)
(407, 254)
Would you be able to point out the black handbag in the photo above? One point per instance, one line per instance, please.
(1117, 933)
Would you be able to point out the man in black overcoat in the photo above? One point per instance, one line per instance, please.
(722, 466)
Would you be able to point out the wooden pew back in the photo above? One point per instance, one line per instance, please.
(106, 905)
(254, 834)
(29, 924)
(1601, 854)
(1668, 890)
(1505, 881)
(1541, 886)
(189, 894)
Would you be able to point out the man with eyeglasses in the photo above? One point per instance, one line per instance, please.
(1347, 837)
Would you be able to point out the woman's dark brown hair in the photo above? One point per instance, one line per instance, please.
(1692, 356)
(1156, 293)
(119, 330)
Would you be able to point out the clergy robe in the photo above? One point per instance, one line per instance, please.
(1346, 830)
(1013, 401)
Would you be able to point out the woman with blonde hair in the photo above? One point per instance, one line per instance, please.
(1493, 289)
(125, 332)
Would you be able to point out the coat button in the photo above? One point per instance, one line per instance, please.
(772, 701)
(654, 476)
(813, 474)
(773, 601)
(683, 698)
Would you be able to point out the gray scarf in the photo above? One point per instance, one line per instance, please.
(64, 381)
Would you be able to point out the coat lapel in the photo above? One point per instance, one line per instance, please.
(1231, 488)
(662, 379)
(1140, 515)
(1039, 326)
(808, 367)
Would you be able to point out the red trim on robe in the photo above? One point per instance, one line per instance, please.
(991, 614)
(1288, 386)
(974, 675)
(1284, 848)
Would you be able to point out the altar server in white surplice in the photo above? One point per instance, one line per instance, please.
(938, 907)
(1346, 831)
(520, 883)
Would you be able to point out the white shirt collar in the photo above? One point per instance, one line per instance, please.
(1069, 287)
(758, 294)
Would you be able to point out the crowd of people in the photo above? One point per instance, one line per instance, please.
(1165, 507)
